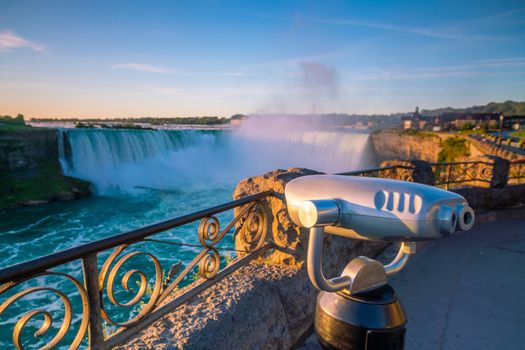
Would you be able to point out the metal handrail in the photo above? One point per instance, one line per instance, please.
(460, 163)
(250, 223)
(373, 170)
(449, 169)
(22, 270)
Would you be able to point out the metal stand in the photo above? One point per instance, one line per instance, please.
(372, 320)
(357, 310)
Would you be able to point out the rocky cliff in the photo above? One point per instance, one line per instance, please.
(424, 145)
(30, 172)
(399, 145)
(26, 149)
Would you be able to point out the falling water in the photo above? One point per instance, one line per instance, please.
(126, 160)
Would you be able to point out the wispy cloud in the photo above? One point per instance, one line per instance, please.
(9, 41)
(429, 32)
(491, 67)
(458, 30)
(144, 67)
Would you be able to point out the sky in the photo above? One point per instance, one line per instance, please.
(64, 58)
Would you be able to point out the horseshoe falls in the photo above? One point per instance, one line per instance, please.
(118, 161)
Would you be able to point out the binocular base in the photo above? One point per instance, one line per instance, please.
(370, 320)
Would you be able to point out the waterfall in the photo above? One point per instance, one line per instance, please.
(126, 160)
(116, 160)
(336, 151)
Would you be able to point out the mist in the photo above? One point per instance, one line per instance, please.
(126, 160)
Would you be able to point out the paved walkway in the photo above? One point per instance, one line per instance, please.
(466, 291)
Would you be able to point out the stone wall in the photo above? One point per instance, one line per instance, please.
(491, 149)
(493, 198)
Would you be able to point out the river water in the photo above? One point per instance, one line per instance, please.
(141, 177)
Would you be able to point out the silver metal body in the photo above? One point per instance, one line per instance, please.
(371, 209)
(377, 209)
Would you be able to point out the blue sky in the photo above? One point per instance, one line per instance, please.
(193, 58)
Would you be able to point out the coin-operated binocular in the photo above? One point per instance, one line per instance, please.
(359, 310)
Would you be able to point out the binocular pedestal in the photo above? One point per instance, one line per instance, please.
(358, 309)
(370, 320)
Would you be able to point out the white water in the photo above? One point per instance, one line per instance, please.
(127, 160)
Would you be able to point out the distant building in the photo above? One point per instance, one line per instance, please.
(407, 122)
(486, 120)
(456, 120)
(515, 122)
(417, 121)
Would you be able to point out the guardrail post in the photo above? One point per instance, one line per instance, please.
(409, 170)
(500, 171)
(96, 333)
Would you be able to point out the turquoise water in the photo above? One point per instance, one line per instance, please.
(143, 177)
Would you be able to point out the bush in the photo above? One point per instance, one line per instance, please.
(467, 126)
(453, 148)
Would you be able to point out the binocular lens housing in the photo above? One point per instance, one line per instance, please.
(319, 213)
(376, 209)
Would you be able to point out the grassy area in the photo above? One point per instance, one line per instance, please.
(44, 185)
(473, 132)
(520, 134)
(7, 127)
(418, 133)
(452, 149)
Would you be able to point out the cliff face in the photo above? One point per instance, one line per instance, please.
(392, 144)
(30, 171)
(397, 145)
(25, 150)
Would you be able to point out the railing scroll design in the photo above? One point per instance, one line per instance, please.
(153, 289)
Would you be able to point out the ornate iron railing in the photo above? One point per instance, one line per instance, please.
(451, 174)
(454, 174)
(400, 172)
(95, 292)
(517, 171)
